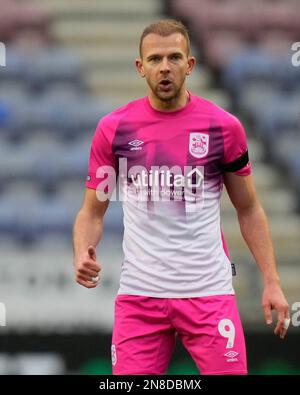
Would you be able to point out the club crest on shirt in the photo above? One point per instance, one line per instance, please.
(199, 144)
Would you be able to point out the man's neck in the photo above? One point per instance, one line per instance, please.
(172, 105)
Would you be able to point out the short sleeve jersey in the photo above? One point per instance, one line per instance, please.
(170, 168)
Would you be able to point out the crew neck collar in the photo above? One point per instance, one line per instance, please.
(189, 105)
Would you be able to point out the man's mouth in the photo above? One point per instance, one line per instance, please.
(165, 84)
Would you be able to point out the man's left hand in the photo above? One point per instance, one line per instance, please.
(273, 298)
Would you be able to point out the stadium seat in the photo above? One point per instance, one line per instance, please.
(16, 65)
(295, 175)
(219, 47)
(54, 64)
(7, 20)
(282, 112)
(16, 163)
(4, 114)
(32, 17)
(285, 148)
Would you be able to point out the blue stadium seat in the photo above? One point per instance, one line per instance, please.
(16, 65)
(16, 163)
(285, 148)
(279, 113)
(295, 175)
(27, 215)
(54, 64)
(251, 63)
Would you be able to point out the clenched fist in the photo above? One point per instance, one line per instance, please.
(87, 269)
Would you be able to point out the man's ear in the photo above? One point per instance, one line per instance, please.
(139, 67)
(191, 65)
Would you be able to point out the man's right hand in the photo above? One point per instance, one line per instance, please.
(87, 269)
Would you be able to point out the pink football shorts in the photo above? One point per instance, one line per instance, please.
(145, 331)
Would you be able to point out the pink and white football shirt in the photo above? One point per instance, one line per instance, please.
(173, 244)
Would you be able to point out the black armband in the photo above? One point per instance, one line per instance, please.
(237, 164)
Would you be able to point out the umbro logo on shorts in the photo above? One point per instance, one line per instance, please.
(113, 354)
(231, 355)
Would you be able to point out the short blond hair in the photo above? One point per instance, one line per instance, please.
(164, 28)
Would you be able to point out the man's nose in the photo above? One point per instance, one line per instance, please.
(165, 67)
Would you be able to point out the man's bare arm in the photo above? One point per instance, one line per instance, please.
(256, 232)
(87, 232)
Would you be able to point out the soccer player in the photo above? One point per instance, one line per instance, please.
(171, 152)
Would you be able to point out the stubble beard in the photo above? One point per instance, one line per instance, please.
(166, 97)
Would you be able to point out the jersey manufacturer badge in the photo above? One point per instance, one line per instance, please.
(231, 355)
(136, 145)
(113, 354)
(199, 144)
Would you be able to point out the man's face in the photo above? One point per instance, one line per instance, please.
(165, 64)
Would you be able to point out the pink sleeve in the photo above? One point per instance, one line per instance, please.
(235, 159)
(101, 154)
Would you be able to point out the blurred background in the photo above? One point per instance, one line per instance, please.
(69, 62)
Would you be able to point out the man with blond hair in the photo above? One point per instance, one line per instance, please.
(171, 153)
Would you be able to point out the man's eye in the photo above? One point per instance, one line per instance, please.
(175, 57)
(156, 59)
